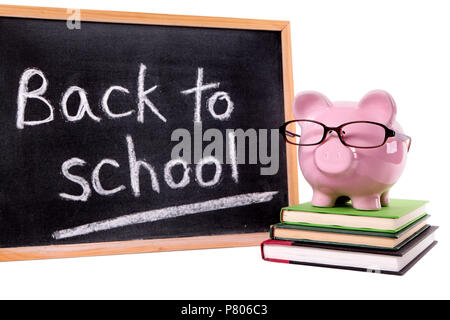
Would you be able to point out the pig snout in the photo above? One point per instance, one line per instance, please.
(332, 157)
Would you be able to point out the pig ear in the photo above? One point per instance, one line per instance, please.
(308, 103)
(381, 106)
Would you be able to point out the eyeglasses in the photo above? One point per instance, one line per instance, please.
(357, 134)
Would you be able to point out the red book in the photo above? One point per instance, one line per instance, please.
(396, 262)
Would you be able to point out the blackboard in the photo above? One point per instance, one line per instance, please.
(88, 116)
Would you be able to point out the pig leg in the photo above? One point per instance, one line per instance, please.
(385, 198)
(371, 202)
(321, 199)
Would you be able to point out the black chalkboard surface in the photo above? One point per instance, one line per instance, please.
(90, 118)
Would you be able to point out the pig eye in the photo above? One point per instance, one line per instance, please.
(343, 132)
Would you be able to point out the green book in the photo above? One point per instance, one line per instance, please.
(393, 218)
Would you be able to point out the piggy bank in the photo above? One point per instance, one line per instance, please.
(349, 150)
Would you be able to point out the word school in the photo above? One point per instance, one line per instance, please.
(135, 165)
(135, 168)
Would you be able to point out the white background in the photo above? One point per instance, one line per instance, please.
(340, 48)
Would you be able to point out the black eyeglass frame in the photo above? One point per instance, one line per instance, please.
(388, 133)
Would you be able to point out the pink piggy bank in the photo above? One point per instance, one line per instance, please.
(349, 150)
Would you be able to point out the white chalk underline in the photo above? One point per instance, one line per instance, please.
(166, 213)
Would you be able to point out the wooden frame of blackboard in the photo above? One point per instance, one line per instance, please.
(171, 244)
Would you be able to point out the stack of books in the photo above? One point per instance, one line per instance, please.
(390, 240)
